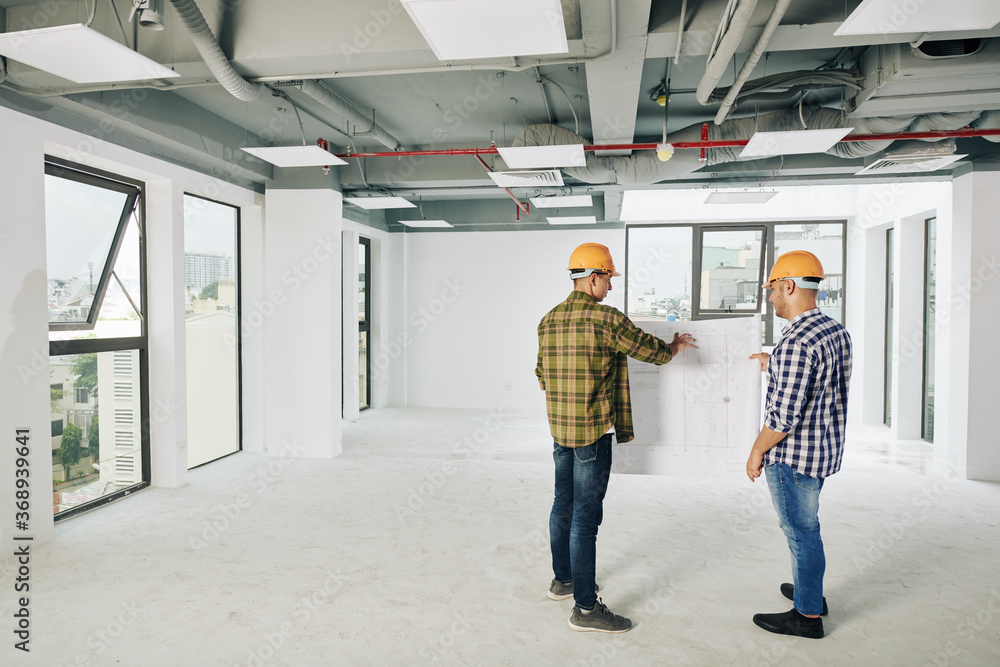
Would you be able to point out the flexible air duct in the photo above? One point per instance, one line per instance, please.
(212, 53)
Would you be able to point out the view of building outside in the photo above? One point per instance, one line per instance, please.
(659, 273)
(96, 422)
(212, 329)
(730, 270)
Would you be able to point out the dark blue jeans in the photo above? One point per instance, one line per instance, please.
(796, 499)
(582, 475)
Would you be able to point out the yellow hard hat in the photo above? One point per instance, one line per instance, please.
(588, 258)
(800, 266)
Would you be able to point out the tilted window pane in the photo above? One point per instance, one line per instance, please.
(80, 221)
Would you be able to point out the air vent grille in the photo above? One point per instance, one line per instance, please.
(527, 179)
(950, 48)
(909, 164)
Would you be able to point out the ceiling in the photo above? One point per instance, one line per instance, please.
(370, 53)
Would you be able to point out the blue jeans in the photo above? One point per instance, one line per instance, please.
(796, 500)
(582, 475)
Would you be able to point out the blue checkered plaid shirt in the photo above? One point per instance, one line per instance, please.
(808, 376)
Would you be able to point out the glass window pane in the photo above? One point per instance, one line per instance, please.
(826, 241)
(889, 298)
(80, 222)
(363, 368)
(362, 276)
(212, 329)
(658, 268)
(730, 269)
(930, 308)
(96, 426)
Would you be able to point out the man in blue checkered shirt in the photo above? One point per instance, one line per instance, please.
(802, 440)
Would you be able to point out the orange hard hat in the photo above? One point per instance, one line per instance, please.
(801, 266)
(591, 257)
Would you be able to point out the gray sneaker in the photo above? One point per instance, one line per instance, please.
(599, 620)
(560, 591)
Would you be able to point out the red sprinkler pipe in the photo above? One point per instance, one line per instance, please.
(703, 144)
(520, 206)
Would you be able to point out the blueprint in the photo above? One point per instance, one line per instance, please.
(700, 413)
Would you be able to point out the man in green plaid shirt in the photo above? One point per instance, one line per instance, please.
(583, 350)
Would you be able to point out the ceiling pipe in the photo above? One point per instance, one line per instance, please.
(730, 41)
(758, 50)
(218, 63)
(328, 98)
(719, 143)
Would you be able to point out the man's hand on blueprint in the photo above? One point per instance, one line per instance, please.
(681, 342)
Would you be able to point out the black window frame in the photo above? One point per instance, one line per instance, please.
(99, 178)
(365, 326)
(698, 241)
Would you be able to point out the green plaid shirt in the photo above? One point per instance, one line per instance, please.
(583, 369)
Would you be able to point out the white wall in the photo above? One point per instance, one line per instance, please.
(472, 306)
(302, 329)
(24, 349)
(984, 308)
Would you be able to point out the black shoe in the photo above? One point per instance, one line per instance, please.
(788, 590)
(601, 619)
(790, 623)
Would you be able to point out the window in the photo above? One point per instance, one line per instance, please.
(731, 271)
(703, 271)
(364, 321)
(889, 287)
(658, 272)
(930, 308)
(212, 329)
(97, 336)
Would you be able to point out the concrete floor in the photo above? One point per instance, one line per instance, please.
(425, 543)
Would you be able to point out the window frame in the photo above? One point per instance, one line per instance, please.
(238, 269)
(82, 173)
(698, 241)
(365, 326)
